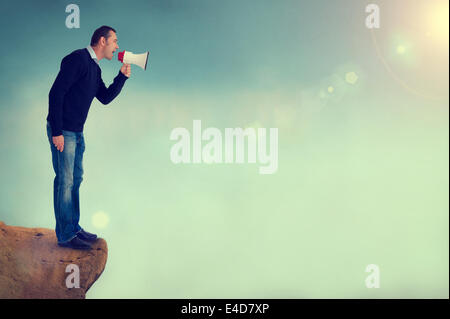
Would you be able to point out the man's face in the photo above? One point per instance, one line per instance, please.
(110, 45)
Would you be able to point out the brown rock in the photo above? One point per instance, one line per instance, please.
(32, 265)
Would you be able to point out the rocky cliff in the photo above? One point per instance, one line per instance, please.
(32, 265)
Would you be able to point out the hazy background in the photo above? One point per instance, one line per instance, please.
(363, 156)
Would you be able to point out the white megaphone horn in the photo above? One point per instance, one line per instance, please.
(130, 57)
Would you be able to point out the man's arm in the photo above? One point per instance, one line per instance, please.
(106, 95)
(70, 72)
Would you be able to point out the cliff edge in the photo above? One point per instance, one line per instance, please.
(32, 265)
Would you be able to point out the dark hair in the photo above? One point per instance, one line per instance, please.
(103, 31)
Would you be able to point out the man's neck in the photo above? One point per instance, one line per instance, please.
(97, 53)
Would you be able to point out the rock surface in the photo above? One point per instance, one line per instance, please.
(32, 265)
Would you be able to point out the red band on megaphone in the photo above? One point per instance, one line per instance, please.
(120, 56)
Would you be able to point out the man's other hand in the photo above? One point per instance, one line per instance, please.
(59, 142)
(126, 69)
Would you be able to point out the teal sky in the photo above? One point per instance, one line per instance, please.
(363, 165)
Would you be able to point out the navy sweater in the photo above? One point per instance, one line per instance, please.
(78, 82)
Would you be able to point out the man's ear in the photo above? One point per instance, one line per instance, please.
(102, 41)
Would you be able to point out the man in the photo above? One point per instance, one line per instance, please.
(78, 82)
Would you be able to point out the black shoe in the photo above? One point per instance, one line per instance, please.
(84, 235)
(76, 243)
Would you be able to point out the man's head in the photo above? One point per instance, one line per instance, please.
(104, 42)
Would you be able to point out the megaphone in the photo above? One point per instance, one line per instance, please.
(130, 57)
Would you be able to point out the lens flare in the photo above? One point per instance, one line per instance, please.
(437, 21)
(401, 49)
(351, 77)
(100, 219)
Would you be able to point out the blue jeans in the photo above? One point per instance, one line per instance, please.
(69, 174)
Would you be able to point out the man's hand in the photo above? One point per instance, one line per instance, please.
(126, 70)
(59, 142)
